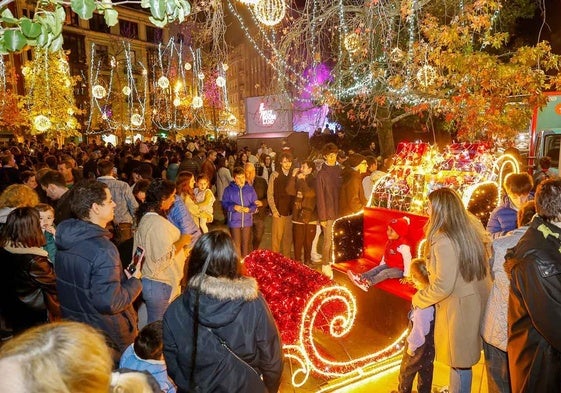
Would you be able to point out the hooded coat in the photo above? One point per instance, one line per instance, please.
(534, 314)
(238, 346)
(91, 284)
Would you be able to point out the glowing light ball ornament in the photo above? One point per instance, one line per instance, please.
(201, 75)
(126, 91)
(163, 82)
(197, 102)
(270, 12)
(187, 66)
(220, 81)
(42, 123)
(176, 102)
(225, 66)
(352, 42)
(136, 120)
(426, 75)
(99, 92)
(397, 55)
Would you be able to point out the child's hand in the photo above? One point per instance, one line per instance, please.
(51, 229)
(405, 280)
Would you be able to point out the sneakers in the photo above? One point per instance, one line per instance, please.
(358, 281)
(327, 271)
(316, 257)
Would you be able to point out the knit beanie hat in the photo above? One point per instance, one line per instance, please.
(354, 160)
(400, 226)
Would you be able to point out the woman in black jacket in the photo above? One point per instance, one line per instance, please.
(28, 295)
(219, 336)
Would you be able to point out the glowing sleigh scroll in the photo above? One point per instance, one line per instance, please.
(305, 304)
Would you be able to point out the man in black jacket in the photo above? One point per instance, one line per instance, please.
(534, 314)
(91, 283)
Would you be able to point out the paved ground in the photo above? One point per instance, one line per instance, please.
(369, 334)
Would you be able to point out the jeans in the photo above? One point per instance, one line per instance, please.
(381, 273)
(281, 235)
(326, 257)
(241, 238)
(496, 364)
(258, 231)
(303, 235)
(421, 363)
(156, 295)
(460, 380)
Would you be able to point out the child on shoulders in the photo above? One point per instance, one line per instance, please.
(146, 354)
(47, 219)
(396, 260)
(205, 200)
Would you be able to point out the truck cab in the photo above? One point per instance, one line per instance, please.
(545, 133)
(548, 144)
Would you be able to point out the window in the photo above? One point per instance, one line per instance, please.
(128, 29)
(75, 43)
(154, 34)
(102, 56)
(97, 23)
(71, 17)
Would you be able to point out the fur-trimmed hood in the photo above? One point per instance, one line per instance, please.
(221, 299)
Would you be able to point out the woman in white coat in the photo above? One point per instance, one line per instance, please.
(459, 284)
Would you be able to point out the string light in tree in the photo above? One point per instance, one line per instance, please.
(109, 112)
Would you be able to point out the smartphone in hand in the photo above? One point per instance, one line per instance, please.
(137, 259)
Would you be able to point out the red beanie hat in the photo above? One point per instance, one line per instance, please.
(400, 226)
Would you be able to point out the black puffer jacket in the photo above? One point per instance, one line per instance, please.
(232, 311)
(534, 309)
(27, 287)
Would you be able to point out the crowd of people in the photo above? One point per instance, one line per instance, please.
(121, 242)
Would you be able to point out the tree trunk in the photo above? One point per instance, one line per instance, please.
(385, 137)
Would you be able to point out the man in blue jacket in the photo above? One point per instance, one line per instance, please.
(91, 283)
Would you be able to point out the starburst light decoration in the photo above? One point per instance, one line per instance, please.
(163, 82)
(270, 12)
(42, 123)
(426, 75)
(352, 42)
(220, 81)
(197, 102)
(99, 92)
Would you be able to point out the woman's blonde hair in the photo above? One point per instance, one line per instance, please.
(450, 218)
(19, 195)
(61, 357)
(131, 382)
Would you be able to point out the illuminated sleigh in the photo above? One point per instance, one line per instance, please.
(310, 309)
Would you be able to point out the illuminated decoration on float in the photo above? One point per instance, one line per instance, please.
(303, 302)
(419, 168)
